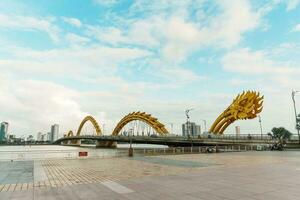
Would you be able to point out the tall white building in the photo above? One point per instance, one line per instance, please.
(237, 130)
(54, 132)
(39, 136)
(44, 137)
(49, 137)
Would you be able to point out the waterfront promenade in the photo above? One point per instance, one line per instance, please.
(236, 175)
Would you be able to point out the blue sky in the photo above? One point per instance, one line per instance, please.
(63, 59)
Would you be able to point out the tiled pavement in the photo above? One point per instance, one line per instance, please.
(248, 175)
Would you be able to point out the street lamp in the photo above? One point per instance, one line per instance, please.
(187, 120)
(261, 131)
(204, 121)
(295, 110)
(103, 129)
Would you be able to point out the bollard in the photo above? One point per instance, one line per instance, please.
(130, 152)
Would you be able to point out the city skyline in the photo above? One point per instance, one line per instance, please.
(59, 64)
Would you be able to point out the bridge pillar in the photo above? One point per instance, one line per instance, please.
(74, 142)
(106, 144)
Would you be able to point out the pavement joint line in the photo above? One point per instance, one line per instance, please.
(116, 187)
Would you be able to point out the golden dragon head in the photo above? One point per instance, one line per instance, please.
(246, 105)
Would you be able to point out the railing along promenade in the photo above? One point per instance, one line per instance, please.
(173, 140)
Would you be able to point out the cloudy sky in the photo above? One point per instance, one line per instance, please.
(61, 60)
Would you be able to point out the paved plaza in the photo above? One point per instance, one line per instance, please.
(243, 175)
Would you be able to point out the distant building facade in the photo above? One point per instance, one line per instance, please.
(3, 131)
(191, 128)
(44, 137)
(237, 130)
(54, 132)
(48, 137)
(30, 138)
(39, 136)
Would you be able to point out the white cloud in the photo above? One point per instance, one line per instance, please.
(237, 18)
(105, 2)
(179, 75)
(292, 4)
(250, 62)
(28, 23)
(109, 35)
(72, 21)
(73, 62)
(34, 105)
(75, 39)
(296, 28)
(175, 35)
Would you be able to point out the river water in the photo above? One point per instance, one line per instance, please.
(44, 152)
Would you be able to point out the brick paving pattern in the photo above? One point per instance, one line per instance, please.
(251, 175)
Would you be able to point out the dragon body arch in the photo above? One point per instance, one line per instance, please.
(141, 116)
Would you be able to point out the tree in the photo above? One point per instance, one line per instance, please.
(281, 134)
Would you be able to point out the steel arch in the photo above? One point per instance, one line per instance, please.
(141, 116)
(93, 121)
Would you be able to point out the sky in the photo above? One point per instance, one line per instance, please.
(61, 60)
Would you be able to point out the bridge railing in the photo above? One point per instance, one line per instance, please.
(194, 150)
(212, 137)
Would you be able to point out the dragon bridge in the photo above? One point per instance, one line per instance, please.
(144, 117)
(86, 119)
(245, 106)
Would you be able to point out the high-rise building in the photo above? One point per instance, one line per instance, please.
(237, 130)
(191, 128)
(49, 137)
(44, 137)
(39, 136)
(3, 131)
(54, 132)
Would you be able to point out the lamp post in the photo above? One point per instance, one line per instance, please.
(103, 129)
(204, 121)
(130, 150)
(261, 131)
(295, 110)
(187, 120)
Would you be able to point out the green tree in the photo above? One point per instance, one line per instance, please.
(281, 134)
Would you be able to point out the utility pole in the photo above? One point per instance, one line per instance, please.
(103, 129)
(261, 131)
(295, 110)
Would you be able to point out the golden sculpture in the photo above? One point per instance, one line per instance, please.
(93, 121)
(245, 106)
(70, 134)
(87, 118)
(141, 116)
